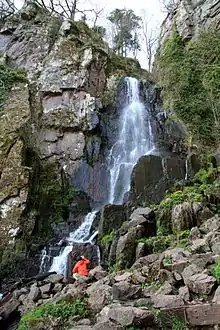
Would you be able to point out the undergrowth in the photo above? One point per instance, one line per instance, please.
(189, 74)
(63, 310)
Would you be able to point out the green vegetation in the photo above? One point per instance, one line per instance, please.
(216, 271)
(167, 261)
(62, 310)
(8, 77)
(189, 73)
(107, 239)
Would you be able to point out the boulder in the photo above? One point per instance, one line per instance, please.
(8, 308)
(55, 278)
(141, 250)
(34, 293)
(153, 175)
(126, 247)
(57, 287)
(167, 301)
(199, 246)
(112, 217)
(126, 291)
(182, 217)
(216, 298)
(190, 271)
(46, 288)
(195, 233)
(184, 293)
(126, 316)
(165, 289)
(201, 283)
(99, 296)
(98, 273)
(106, 325)
(212, 224)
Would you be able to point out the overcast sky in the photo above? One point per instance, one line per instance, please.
(152, 8)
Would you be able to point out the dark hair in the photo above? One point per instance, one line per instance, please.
(78, 259)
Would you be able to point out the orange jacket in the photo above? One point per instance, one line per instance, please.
(81, 267)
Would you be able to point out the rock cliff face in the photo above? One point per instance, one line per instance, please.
(190, 16)
(58, 121)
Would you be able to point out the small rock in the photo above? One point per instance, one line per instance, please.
(126, 291)
(212, 224)
(201, 283)
(57, 287)
(215, 246)
(167, 301)
(45, 296)
(34, 293)
(55, 278)
(200, 246)
(106, 325)
(189, 271)
(137, 278)
(184, 293)
(45, 288)
(143, 317)
(84, 322)
(165, 289)
(194, 234)
(177, 254)
(216, 298)
(177, 276)
(18, 293)
(123, 277)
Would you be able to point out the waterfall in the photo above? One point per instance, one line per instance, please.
(81, 235)
(135, 140)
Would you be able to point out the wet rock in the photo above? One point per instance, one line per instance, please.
(201, 283)
(126, 291)
(150, 185)
(112, 217)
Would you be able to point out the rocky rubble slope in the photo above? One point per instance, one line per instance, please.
(163, 290)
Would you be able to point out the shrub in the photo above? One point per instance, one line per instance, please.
(63, 310)
(216, 271)
(107, 239)
(189, 73)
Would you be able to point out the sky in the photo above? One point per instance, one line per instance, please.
(152, 8)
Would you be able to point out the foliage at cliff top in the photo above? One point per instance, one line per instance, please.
(189, 73)
(7, 78)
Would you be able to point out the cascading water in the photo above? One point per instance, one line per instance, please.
(135, 140)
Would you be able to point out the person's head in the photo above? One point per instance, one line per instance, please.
(78, 258)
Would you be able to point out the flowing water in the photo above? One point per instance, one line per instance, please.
(135, 140)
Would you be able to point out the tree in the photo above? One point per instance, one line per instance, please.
(7, 9)
(169, 5)
(125, 25)
(150, 40)
(70, 8)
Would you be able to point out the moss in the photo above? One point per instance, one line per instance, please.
(189, 75)
(60, 311)
(8, 77)
(107, 239)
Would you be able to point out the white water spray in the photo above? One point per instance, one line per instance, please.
(135, 140)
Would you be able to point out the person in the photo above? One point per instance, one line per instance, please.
(80, 270)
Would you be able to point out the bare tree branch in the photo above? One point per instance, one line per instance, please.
(7, 9)
(169, 5)
(150, 41)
